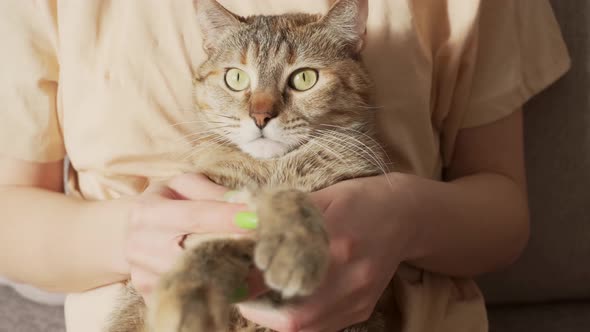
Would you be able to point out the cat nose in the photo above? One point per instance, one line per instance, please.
(262, 119)
(262, 108)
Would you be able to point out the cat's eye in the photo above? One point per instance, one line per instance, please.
(237, 79)
(304, 79)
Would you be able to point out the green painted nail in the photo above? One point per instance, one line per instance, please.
(246, 220)
(240, 294)
(229, 196)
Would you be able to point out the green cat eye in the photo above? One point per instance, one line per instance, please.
(304, 79)
(237, 79)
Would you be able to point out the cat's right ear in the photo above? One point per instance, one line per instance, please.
(215, 22)
(347, 19)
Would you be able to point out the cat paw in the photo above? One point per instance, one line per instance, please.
(199, 310)
(290, 264)
(196, 295)
(292, 249)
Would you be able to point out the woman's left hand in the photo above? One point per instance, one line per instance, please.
(368, 240)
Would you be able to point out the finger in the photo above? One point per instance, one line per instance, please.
(322, 199)
(202, 217)
(321, 312)
(338, 294)
(342, 250)
(144, 282)
(355, 312)
(197, 187)
(156, 259)
(271, 318)
(292, 318)
(337, 322)
(159, 188)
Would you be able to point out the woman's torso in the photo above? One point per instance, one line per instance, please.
(125, 82)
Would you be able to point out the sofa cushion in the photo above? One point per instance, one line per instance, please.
(562, 317)
(20, 315)
(556, 264)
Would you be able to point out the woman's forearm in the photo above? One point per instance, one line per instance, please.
(59, 243)
(466, 227)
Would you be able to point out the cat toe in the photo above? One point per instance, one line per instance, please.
(292, 265)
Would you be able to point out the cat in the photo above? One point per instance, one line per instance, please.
(286, 104)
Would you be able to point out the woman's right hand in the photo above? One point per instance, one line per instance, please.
(161, 218)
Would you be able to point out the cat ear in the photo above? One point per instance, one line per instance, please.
(215, 22)
(348, 20)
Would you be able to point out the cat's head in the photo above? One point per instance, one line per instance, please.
(271, 84)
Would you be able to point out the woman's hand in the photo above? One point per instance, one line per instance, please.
(474, 223)
(163, 215)
(367, 244)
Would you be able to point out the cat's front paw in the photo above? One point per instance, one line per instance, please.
(199, 309)
(292, 249)
(290, 264)
(196, 295)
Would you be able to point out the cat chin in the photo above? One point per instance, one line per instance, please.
(264, 148)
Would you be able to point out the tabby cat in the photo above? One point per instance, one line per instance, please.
(285, 102)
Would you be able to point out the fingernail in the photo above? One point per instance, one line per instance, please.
(246, 220)
(229, 196)
(240, 294)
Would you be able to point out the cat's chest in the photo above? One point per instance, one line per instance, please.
(236, 175)
(305, 173)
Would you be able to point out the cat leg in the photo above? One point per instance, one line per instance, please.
(196, 296)
(292, 248)
(130, 312)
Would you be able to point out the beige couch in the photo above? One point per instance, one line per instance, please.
(548, 290)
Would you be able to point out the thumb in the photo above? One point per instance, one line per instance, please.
(322, 199)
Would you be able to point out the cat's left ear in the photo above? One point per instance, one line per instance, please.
(348, 20)
(215, 22)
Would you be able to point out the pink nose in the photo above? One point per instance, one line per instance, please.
(262, 108)
(261, 119)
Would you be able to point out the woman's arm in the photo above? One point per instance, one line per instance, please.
(474, 223)
(64, 244)
(478, 221)
(55, 242)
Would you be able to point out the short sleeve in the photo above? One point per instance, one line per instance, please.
(513, 51)
(520, 51)
(29, 125)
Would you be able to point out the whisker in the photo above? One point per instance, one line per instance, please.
(205, 131)
(328, 149)
(194, 137)
(360, 152)
(225, 116)
(385, 154)
(188, 122)
(368, 150)
(351, 148)
(215, 143)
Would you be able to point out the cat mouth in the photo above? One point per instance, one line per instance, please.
(265, 148)
(263, 139)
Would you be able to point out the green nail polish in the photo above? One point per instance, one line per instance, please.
(240, 294)
(229, 196)
(246, 220)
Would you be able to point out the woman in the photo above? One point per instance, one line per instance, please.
(104, 83)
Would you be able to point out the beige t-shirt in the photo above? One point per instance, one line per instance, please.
(103, 82)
